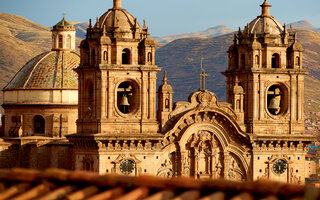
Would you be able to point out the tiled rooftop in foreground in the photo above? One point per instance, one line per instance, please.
(60, 184)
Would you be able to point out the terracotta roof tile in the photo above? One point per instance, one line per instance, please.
(61, 184)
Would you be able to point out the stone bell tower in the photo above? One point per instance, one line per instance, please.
(117, 95)
(265, 81)
(266, 61)
(117, 76)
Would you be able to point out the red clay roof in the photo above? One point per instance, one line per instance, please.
(60, 184)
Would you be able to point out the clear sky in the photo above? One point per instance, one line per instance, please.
(165, 17)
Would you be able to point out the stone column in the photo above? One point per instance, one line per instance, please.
(255, 97)
(144, 86)
(292, 98)
(261, 94)
(110, 95)
(299, 98)
(103, 95)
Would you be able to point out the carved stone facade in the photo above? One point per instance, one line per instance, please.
(257, 134)
(265, 68)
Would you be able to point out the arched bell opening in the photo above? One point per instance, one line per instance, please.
(257, 60)
(277, 99)
(60, 41)
(275, 61)
(297, 61)
(105, 56)
(126, 57)
(39, 124)
(150, 57)
(127, 97)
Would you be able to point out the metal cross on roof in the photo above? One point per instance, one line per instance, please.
(203, 75)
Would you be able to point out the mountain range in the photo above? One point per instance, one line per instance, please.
(179, 55)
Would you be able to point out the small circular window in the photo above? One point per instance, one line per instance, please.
(127, 166)
(127, 97)
(276, 100)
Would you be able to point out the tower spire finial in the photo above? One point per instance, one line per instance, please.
(165, 79)
(265, 9)
(296, 37)
(116, 4)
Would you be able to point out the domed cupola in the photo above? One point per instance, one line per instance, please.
(63, 36)
(119, 23)
(117, 38)
(265, 23)
(52, 69)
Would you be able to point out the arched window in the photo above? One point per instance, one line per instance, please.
(243, 61)
(275, 61)
(257, 60)
(39, 124)
(93, 57)
(126, 57)
(89, 98)
(297, 61)
(60, 41)
(238, 105)
(105, 56)
(149, 57)
(69, 42)
(167, 103)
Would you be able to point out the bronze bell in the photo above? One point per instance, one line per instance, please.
(124, 101)
(275, 103)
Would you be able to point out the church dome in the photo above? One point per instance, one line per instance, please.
(50, 70)
(265, 23)
(63, 25)
(118, 19)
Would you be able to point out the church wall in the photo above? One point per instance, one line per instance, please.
(59, 121)
(263, 165)
(146, 163)
(36, 155)
(41, 96)
(311, 167)
(9, 155)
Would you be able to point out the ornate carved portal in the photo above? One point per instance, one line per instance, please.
(204, 157)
